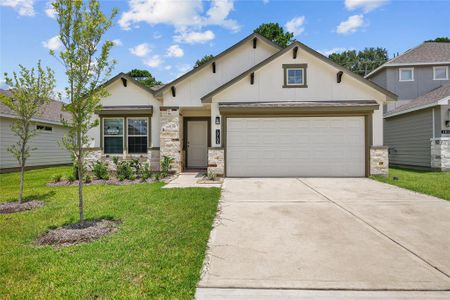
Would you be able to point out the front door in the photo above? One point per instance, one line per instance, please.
(197, 144)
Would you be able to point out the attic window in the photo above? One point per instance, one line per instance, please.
(295, 75)
(440, 73)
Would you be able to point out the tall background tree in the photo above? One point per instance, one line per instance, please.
(443, 39)
(31, 90)
(361, 62)
(144, 77)
(85, 58)
(275, 33)
(203, 60)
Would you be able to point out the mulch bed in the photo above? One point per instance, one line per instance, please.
(78, 233)
(112, 181)
(12, 207)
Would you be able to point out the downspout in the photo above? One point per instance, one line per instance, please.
(433, 125)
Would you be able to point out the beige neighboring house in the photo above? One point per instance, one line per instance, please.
(255, 110)
(50, 132)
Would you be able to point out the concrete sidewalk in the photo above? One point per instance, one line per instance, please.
(327, 234)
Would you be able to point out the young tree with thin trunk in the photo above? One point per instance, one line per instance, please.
(85, 57)
(31, 89)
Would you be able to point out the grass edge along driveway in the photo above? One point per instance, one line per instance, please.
(158, 251)
(427, 182)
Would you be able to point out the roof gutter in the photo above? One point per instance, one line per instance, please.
(388, 65)
(443, 101)
(33, 119)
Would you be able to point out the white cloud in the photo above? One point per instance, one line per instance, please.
(185, 16)
(327, 52)
(365, 5)
(117, 42)
(218, 13)
(153, 61)
(265, 1)
(175, 51)
(140, 50)
(50, 11)
(167, 68)
(194, 37)
(351, 24)
(296, 25)
(52, 43)
(23, 7)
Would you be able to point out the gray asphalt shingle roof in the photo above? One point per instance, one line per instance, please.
(428, 52)
(51, 113)
(426, 100)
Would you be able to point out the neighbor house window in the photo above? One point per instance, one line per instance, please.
(44, 128)
(406, 74)
(295, 75)
(137, 135)
(440, 73)
(113, 135)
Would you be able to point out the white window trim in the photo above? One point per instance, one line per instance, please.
(405, 69)
(123, 133)
(446, 72)
(295, 84)
(138, 135)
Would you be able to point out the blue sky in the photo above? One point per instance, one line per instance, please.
(166, 37)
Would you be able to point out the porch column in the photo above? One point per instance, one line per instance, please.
(171, 136)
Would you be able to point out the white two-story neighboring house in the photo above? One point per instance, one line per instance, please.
(417, 126)
(254, 110)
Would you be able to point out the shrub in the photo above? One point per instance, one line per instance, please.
(124, 170)
(166, 162)
(75, 170)
(71, 178)
(157, 176)
(115, 160)
(56, 178)
(100, 170)
(136, 165)
(211, 175)
(145, 172)
(87, 178)
(121, 177)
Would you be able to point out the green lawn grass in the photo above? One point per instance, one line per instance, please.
(157, 253)
(432, 183)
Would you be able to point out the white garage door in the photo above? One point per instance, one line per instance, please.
(303, 146)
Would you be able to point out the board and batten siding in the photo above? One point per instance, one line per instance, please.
(408, 137)
(48, 151)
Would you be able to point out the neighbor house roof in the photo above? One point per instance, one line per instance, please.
(426, 53)
(52, 112)
(208, 97)
(223, 53)
(437, 96)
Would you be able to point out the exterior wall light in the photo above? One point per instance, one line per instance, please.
(217, 120)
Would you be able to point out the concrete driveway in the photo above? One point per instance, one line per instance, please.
(288, 237)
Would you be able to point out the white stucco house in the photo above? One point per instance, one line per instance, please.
(46, 144)
(255, 110)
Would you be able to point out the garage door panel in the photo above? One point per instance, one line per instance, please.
(303, 146)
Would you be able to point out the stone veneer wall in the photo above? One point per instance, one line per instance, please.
(440, 154)
(216, 161)
(379, 160)
(171, 136)
(94, 155)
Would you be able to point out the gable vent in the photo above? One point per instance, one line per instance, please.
(124, 81)
(214, 67)
(174, 90)
(254, 42)
(252, 78)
